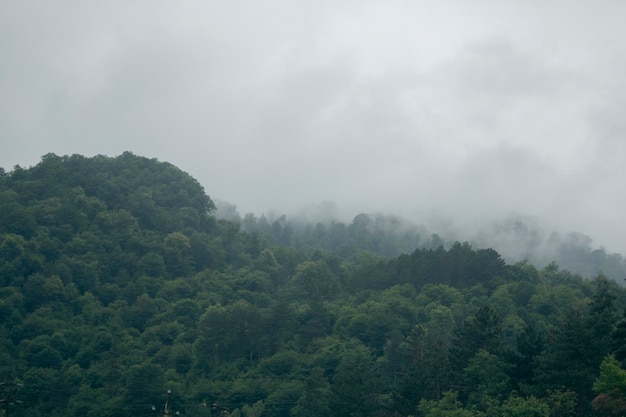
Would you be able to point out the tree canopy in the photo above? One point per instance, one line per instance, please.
(122, 292)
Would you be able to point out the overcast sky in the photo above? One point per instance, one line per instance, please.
(461, 110)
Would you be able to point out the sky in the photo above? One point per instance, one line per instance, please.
(456, 112)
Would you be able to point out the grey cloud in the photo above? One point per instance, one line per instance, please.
(464, 112)
(494, 67)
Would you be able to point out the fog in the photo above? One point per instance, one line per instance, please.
(452, 114)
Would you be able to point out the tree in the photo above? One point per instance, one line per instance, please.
(439, 333)
(315, 282)
(562, 403)
(39, 353)
(610, 388)
(177, 248)
(482, 331)
(448, 406)
(486, 382)
(144, 384)
(354, 389)
(516, 406)
(315, 398)
(255, 410)
(578, 345)
(524, 362)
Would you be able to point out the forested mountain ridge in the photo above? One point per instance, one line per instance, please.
(118, 284)
(515, 238)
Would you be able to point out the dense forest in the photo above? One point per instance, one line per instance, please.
(123, 295)
(515, 238)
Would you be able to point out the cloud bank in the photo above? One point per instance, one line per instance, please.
(457, 112)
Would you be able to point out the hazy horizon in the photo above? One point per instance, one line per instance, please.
(461, 113)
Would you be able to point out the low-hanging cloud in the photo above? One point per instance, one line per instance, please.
(431, 111)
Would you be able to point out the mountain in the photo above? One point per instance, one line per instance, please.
(122, 294)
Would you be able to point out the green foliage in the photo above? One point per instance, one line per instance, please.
(610, 387)
(314, 281)
(315, 399)
(516, 406)
(117, 284)
(486, 382)
(448, 406)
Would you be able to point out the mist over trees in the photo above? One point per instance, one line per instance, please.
(517, 239)
(123, 294)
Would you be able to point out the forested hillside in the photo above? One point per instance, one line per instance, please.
(123, 295)
(516, 239)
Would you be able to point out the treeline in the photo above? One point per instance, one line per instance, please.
(118, 285)
(390, 236)
(385, 235)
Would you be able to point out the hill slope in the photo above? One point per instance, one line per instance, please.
(118, 284)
